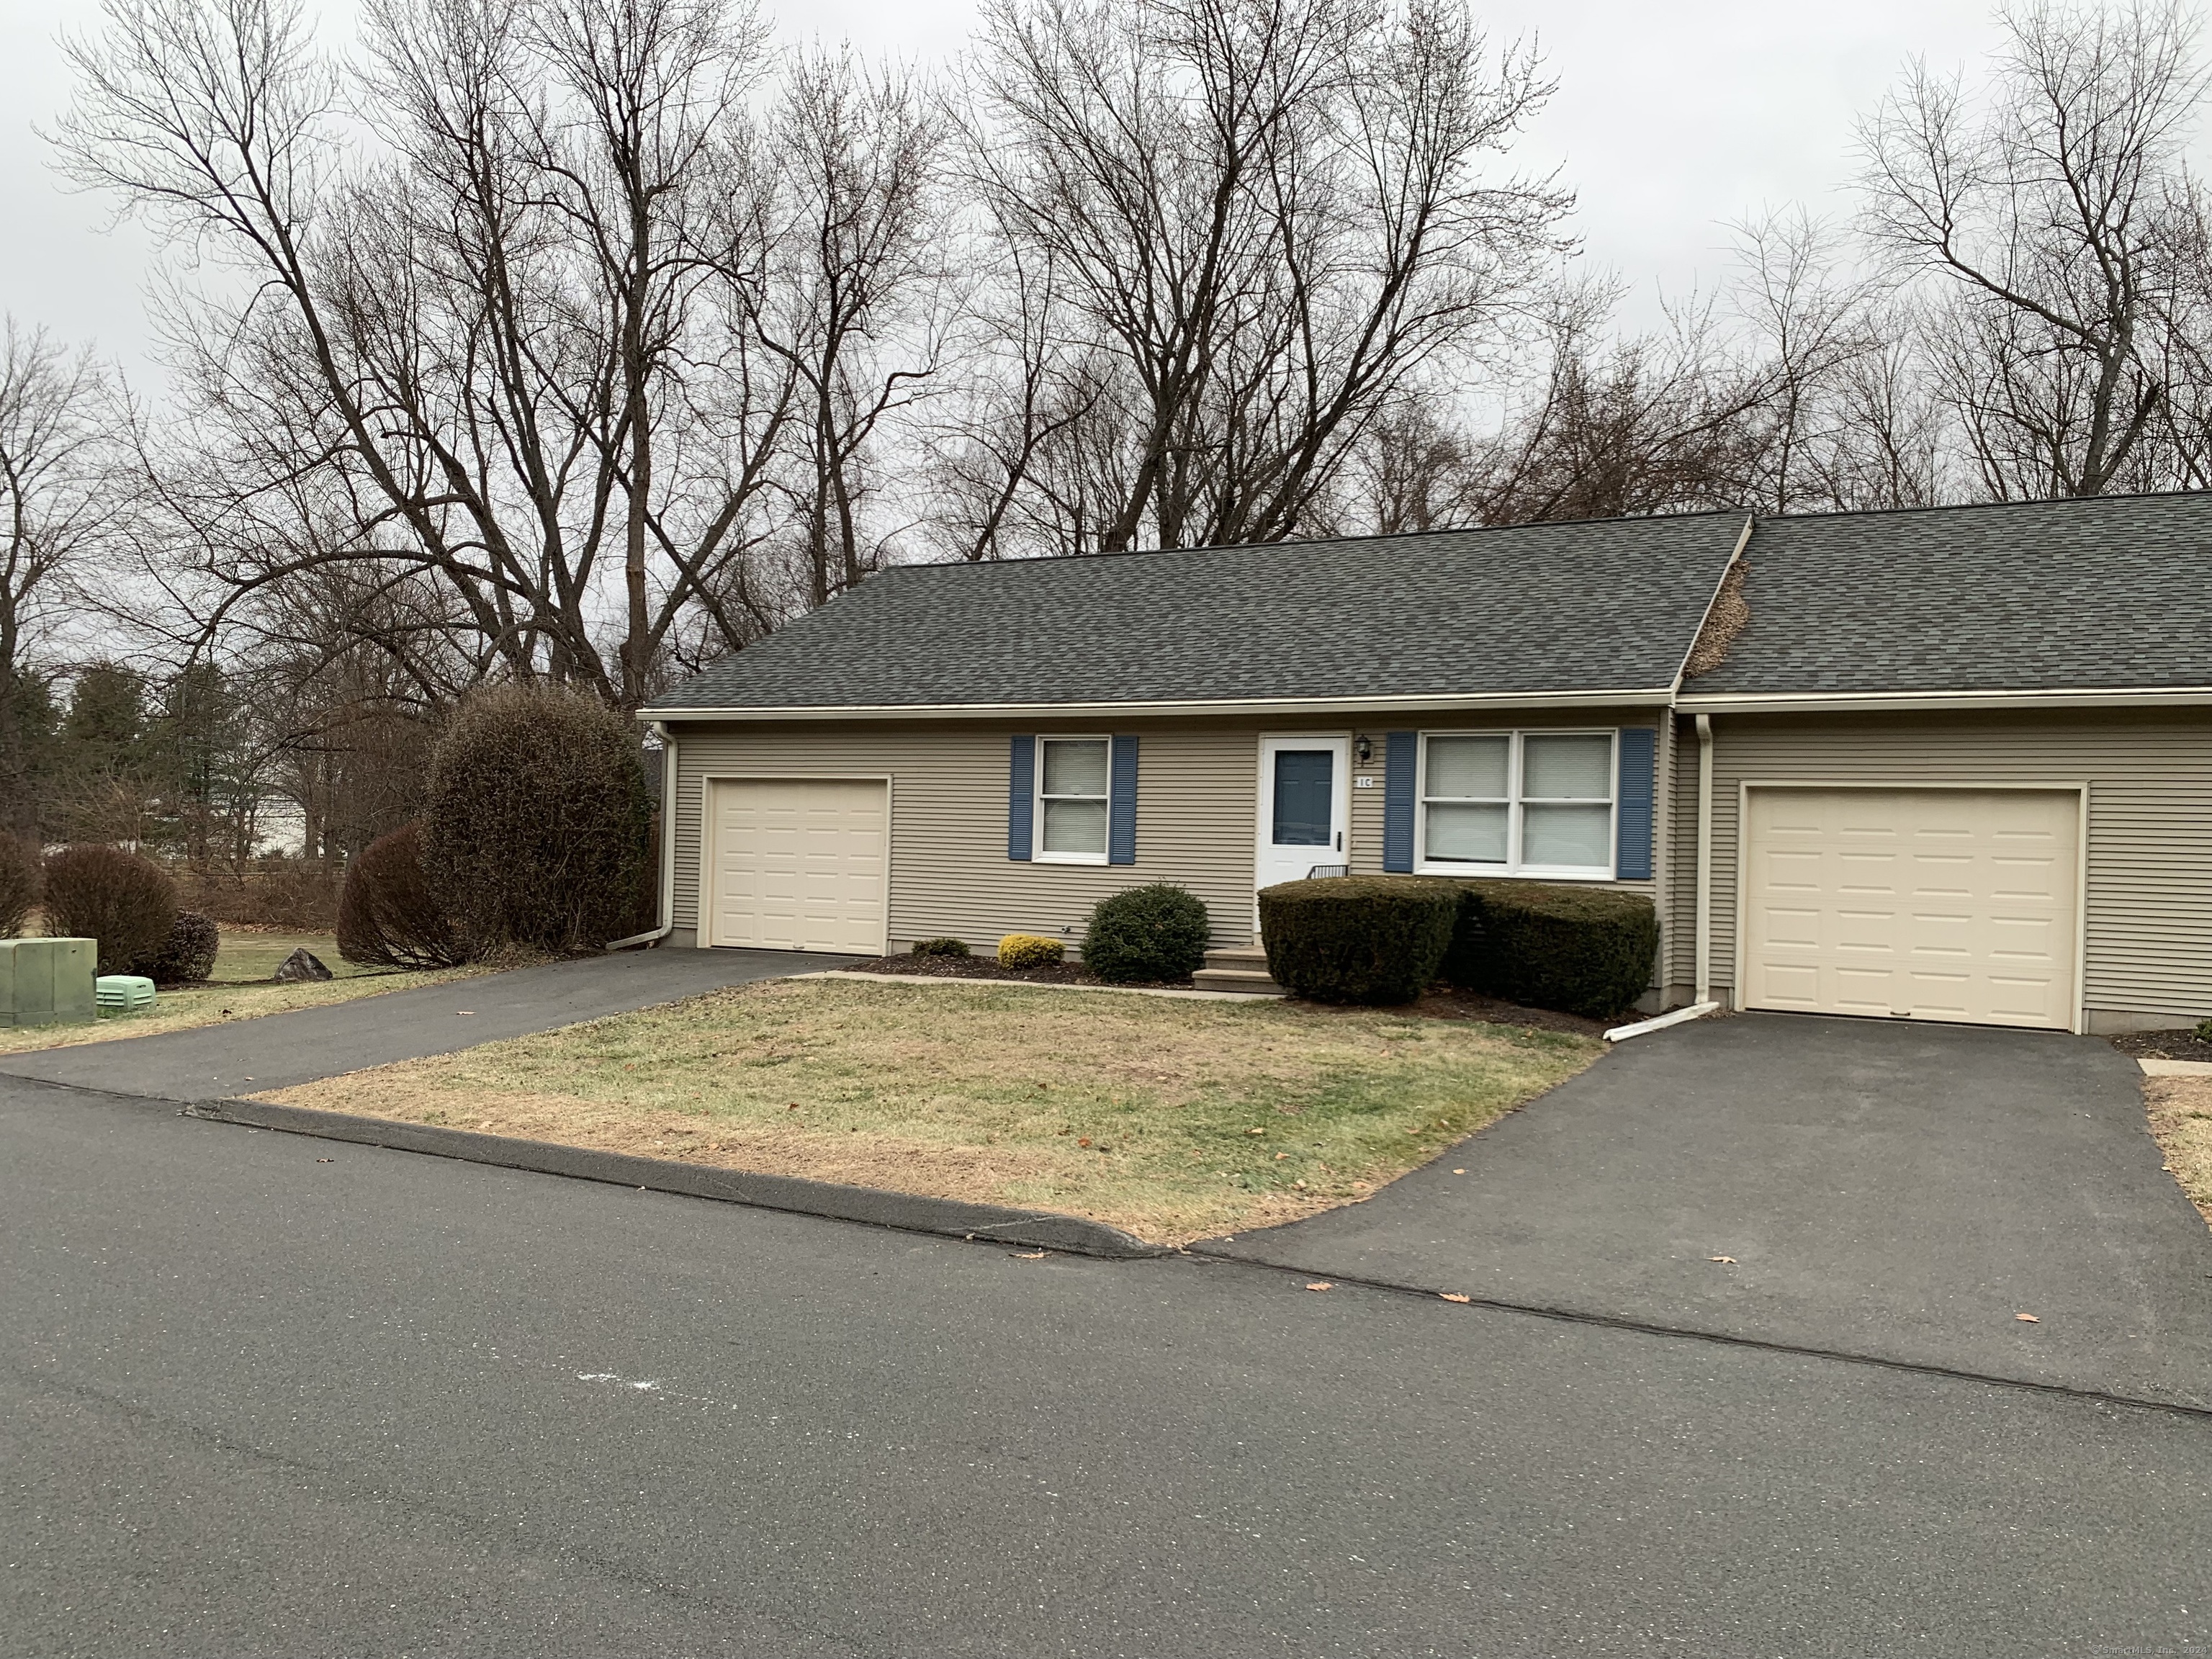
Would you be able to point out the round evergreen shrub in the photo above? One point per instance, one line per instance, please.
(1580, 950)
(1358, 939)
(20, 884)
(1027, 950)
(1156, 932)
(386, 917)
(128, 903)
(187, 956)
(536, 824)
(939, 947)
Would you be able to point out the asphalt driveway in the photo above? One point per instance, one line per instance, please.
(276, 1050)
(1899, 1191)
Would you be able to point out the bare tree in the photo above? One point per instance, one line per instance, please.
(59, 439)
(860, 291)
(2042, 216)
(1257, 224)
(503, 358)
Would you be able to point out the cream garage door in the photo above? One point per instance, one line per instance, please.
(798, 864)
(1944, 904)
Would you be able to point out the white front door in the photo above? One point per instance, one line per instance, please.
(1306, 807)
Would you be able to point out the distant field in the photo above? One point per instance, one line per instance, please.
(247, 957)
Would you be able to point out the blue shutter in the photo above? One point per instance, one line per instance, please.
(1401, 759)
(1021, 800)
(1121, 803)
(1638, 753)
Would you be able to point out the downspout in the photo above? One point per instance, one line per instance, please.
(667, 846)
(1703, 1002)
(1704, 858)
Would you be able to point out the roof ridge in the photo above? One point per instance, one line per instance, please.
(1985, 506)
(1316, 541)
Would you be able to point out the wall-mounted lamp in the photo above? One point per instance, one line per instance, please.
(1363, 748)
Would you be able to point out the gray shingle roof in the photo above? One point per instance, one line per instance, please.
(1610, 605)
(2115, 591)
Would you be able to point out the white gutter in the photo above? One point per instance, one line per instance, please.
(1777, 702)
(1653, 696)
(667, 846)
(1704, 858)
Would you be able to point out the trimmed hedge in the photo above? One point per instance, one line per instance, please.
(535, 822)
(126, 901)
(1154, 931)
(1580, 950)
(186, 956)
(20, 884)
(939, 947)
(1358, 939)
(1027, 950)
(386, 916)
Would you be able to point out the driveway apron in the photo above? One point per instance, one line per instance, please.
(277, 1050)
(1892, 1190)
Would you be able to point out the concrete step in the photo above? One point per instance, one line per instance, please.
(1237, 955)
(1237, 969)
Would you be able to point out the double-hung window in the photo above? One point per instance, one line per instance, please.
(1517, 802)
(1072, 790)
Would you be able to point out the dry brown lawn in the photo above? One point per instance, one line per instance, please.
(2181, 1122)
(1174, 1119)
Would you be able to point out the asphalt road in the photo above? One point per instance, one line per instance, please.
(257, 1402)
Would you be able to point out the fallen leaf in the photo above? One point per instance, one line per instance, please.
(1255, 1132)
(1459, 1172)
(1729, 1259)
(1085, 1142)
(1454, 1296)
(2027, 1319)
(464, 1013)
(326, 1160)
(1279, 1157)
(1029, 1256)
(1321, 1284)
(1300, 1185)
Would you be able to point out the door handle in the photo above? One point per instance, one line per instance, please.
(1339, 840)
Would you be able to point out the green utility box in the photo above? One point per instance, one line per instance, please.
(47, 982)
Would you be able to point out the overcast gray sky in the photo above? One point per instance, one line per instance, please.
(1670, 120)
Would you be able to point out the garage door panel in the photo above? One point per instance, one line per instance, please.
(798, 863)
(1933, 904)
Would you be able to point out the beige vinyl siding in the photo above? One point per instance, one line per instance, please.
(2148, 942)
(949, 872)
(1679, 828)
(1197, 807)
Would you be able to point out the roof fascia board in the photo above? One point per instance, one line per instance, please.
(1657, 697)
(1778, 702)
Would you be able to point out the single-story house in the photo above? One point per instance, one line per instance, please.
(1948, 764)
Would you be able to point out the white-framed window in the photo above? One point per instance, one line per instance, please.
(1517, 802)
(1072, 790)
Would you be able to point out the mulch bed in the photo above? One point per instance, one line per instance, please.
(2163, 1045)
(1056, 973)
(1449, 1002)
(1444, 1002)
